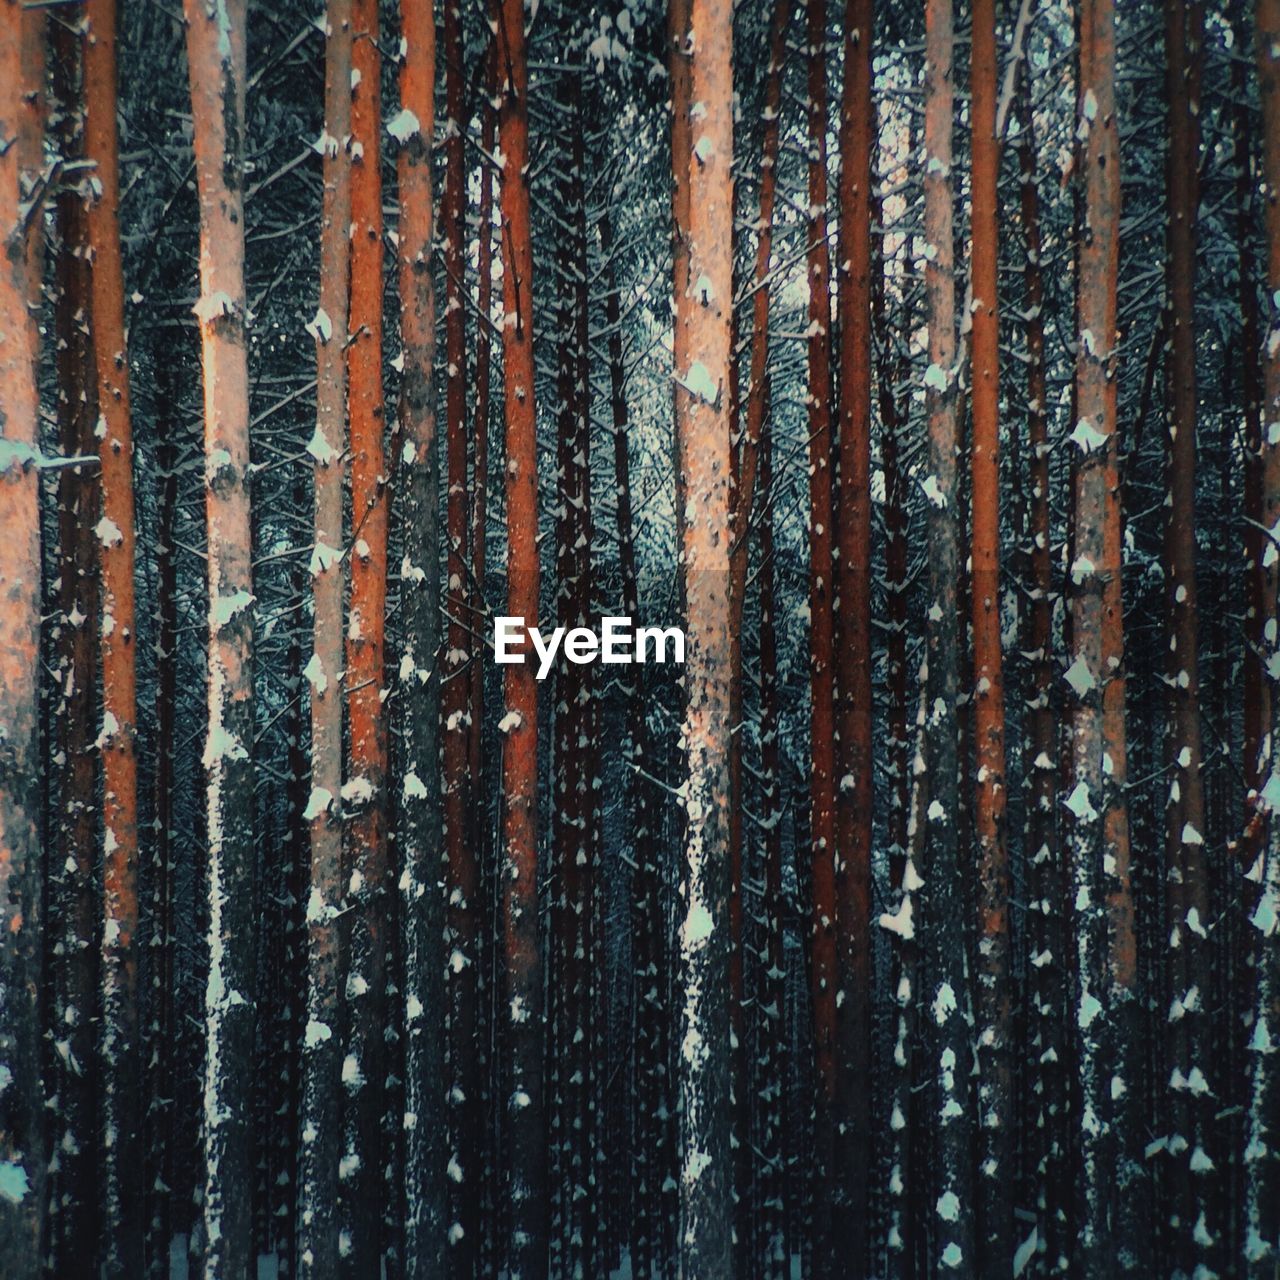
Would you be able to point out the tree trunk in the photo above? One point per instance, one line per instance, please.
(993, 987)
(1262, 1170)
(424, 1194)
(1190, 1110)
(121, 1109)
(73, 1200)
(822, 826)
(853, 796)
(321, 1090)
(216, 63)
(703, 171)
(22, 1121)
(364, 793)
(1046, 935)
(945, 990)
(1105, 949)
(527, 1251)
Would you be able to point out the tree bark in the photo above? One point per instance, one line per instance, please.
(216, 63)
(703, 171)
(321, 1118)
(1262, 1170)
(23, 1160)
(945, 990)
(853, 796)
(993, 987)
(121, 1098)
(424, 1193)
(526, 1162)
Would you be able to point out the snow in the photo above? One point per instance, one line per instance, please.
(699, 382)
(1025, 1252)
(413, 787)
(698, 924)
(212, 306)
(1078, 803)
(935, 378)
(13, 1181)
(952, 1256)
(314, 672)
(944, 1004)
(949, 1207)
(317, 1033)
(1086, 437)
(403, 125)
(323, 558)
(900, 921)
(357, 791)
(320, 800)
(320, 327)
(108, 532)
(932, 491)
(510, 722)
(1090, 105)
(223, 608)
(1080, 678)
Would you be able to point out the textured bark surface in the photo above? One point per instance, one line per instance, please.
(216, 62)
(524, 1029)
(853, 716)
(944, 990)
(1262, 1168)
(1105, 958)
(321, 1087)
(418, 830)
(823, 979)
(993, 994)
(702, 162)
(22, 1139)
(120, 1048)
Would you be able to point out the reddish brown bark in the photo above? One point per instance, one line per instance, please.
(703, 171)
(853, 796)
(118, 742)
(22, 1142)
(993, 987)
(364, 793)
(73, 1198)
(520, 910)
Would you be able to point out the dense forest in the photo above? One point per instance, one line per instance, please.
(916, 363)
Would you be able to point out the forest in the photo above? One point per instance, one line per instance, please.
(916, 363)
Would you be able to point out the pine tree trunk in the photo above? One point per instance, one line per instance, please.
(703, 352)
(321, 1118)
(853, 796)
(822, 829)
(418, 831)
(22, 1120)
(121, 1110)
(993, 985)
(1262, 1170)
(944, 988)
(463, 871)
(524, 1032)
(1190, 1108)
(1046, 936)
(364, 792)
(216, 63)
(72, 1230)
(1103, 1019)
